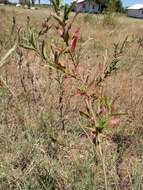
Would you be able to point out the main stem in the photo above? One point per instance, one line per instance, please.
(97, 143)
(103, 164)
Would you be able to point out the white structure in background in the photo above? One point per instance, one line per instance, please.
(32, 8)
(135, 11)
(88, 6)
(18, 5)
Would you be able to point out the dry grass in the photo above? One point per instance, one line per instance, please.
(35, 154)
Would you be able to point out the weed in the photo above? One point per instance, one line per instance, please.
(62, 100)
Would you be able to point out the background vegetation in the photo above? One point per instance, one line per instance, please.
(44, 141)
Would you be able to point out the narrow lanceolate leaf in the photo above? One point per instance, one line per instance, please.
(27, 47)
(57, 67)
(44, 52)
(74, 40)
(119, 114)
(60, 67)
(65, 15)
(56, 6)
(123, 45)
(84, 114)
(72, 6)
(1, 92)
(58, 19)
(33, 40)
(3, 60)
(67, 10)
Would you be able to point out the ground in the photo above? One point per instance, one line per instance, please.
(35, 153)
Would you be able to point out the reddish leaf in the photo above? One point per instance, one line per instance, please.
(114, 122)
(74, 40)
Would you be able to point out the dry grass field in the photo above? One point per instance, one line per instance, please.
(36, 153)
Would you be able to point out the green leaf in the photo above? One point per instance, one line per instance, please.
(27, 47)
(84, 114)
(1, 92)
(119, 114)
(32, 40)
(67, 10)
(65, 16)
(102, 123)
(56, 6)
(57, 67)
(44, 52)
(83, 88)
(58, 19)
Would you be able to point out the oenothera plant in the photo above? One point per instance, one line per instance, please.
(61, 56)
